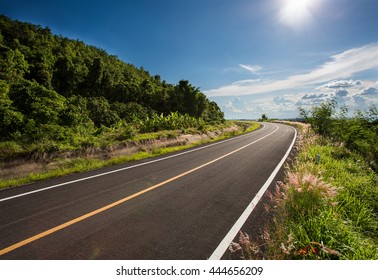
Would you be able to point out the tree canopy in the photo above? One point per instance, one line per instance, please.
(50, 84)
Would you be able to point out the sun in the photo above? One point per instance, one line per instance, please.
(297, 13)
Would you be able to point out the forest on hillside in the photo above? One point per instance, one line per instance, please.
(58, 90)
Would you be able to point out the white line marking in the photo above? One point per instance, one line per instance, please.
(123, 169)
(225, 243)
(123, 200)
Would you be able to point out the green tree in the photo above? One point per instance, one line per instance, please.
(101, 113)
(213, 114)
(36, 102)
(93, 85)
(321, 117)
(263, 118)
(76, 112)
(11, 121)
(63, 80)
(41, 64)
(13, 65)
(130, 111)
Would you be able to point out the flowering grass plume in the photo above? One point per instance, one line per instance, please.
(245, 247)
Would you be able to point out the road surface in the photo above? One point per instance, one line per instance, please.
(187, 205)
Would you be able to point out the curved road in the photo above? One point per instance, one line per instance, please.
(187, 205)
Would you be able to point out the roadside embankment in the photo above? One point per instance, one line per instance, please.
(37, 166)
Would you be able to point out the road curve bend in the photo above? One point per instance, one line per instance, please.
(186, 205)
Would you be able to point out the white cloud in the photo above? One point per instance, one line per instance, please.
(237, 108)
(340, 66)
(278, 100)
(371, 91)
(237, 105)
(252, 106)
(247, 82)
(314, 95)
(360, 101)
(354, 94)
(251, 68)
(341, 92)
(342, 84)
(313, 99)
(361, 96)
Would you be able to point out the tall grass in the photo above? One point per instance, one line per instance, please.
(326, 208)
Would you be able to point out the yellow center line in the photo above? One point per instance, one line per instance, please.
(109, 206)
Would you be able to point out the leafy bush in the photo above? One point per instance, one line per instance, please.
(359, 133)
(9, 149)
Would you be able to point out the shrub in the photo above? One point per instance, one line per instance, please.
(9, 149)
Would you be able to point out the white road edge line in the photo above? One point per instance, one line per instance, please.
(123, 169)
(225, 243)
(106, 207)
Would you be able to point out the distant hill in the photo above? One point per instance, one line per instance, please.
(50, 84)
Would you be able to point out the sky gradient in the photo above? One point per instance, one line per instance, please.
(250, 56)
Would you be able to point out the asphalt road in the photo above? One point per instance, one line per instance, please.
(178, 206)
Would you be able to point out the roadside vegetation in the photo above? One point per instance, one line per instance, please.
(114, 151)
(68, 106)
(327, 205)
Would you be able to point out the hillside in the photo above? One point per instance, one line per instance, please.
(61, 90)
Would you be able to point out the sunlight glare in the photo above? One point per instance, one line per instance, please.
(296, 13)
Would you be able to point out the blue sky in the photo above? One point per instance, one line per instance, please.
(250, 56)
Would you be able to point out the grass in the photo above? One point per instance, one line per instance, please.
(326, 208)
(64, 166)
